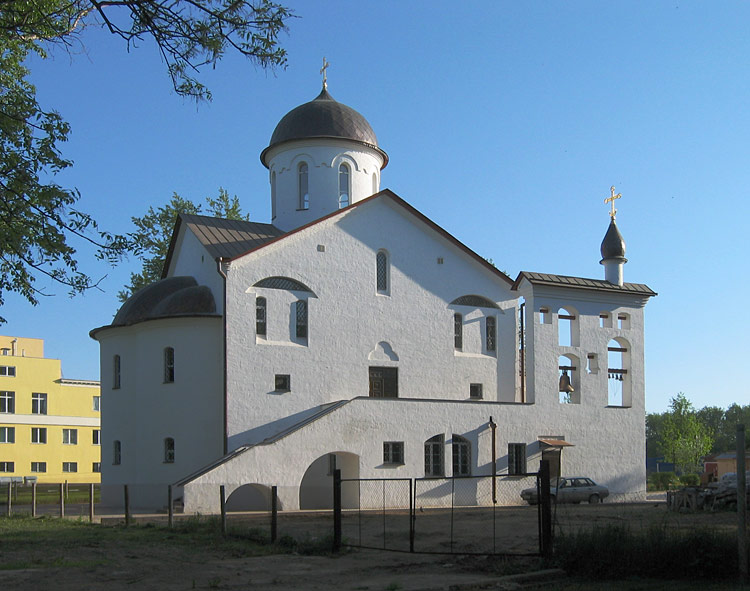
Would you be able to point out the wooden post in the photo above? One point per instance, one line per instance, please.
(336, 510)
(545, 504)
(222, 500)
(126, 494)
(274, 513)
(33, 499)
(170, 507)
(493, 426)
(62, 500)
(91, 502)
(741, 504)
(10, 497)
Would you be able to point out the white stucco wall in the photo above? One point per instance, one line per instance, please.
(145, 410)
(349, 320)
(323, 158)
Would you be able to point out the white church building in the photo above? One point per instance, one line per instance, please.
(352, 331)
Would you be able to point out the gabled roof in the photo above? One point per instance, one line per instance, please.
(232, 239)
(222, 238)
(550, 280)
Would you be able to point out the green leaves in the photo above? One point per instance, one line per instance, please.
(38, 221)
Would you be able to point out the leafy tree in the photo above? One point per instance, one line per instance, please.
(39, 225)
(685, 439)
(154, 231)
(654, 426)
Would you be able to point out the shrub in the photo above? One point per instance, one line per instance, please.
(662, 480)
(690, 480)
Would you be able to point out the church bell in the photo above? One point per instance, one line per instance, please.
(565, 385)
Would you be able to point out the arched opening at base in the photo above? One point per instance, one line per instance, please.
(316, 488)
(251, 497)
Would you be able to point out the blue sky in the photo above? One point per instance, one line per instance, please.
(506, 123)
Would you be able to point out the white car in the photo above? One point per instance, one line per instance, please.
(574, 489)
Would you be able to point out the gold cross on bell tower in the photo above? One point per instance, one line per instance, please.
(325, 74)
(611, 201)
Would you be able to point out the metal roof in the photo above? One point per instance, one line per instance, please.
(550, 280)
(228, 238)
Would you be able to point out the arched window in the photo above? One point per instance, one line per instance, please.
(458, 331)
(618, 378)
(461, 456)
(116, 372)
(169, 450)
(374, 183)
(260, 316)
(567, 328)
(343, 185)
(381, 264)
(116, 453)
(490, 333)
(168, 365)
(304, 193)
(433, 456)
(301, 317)
(273, 195)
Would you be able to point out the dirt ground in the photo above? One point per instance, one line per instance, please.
(119, 567)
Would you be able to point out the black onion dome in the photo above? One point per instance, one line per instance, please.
(324, 117)
(174, 296)
(613, 245)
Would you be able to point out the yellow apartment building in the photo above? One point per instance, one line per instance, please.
(49, 426)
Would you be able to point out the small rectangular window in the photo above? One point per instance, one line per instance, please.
(7, 370)
(7, 434)
(96, 467)
(116, 453)
(260, 316)
(97, 404)
(38, 466)
(475, 391)
(393, 452)
(8, 402)
(70, 467)
(96, 437)
(282, 383)
(516, 459)
(168, 365)
(39, 435)
(38, 403)
(70, 436)
(7, 467)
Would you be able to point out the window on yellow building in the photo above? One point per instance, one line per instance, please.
(96, 437)
(38, 403)
(7, 434)
(96, 467)
(97, 403)
(70, 436)
(70, 466)
(38, 466)
(39, 435)
(7, 467)
(8, 402)
(7, 370)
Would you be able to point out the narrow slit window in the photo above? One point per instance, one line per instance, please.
(381, 264)
(168, 365)
(116, 372)
(491, 336)
(169, 450)
(260, 316)
(304, 194)
(458, 332)
(301, 315)
(116, 453)
(343, 185)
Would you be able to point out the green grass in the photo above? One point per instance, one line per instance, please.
(615, 552)
(47, 494)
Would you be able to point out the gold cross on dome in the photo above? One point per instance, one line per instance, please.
(611, 201)
(325, 74)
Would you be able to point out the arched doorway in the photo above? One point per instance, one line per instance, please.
(251, 497)
(316, 488)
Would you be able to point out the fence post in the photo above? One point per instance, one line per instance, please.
(62, 500)
(91, 502)
(222, 500)
(741, 503)
(274, 513)
(126, 492)
(170, 509)
(545, 503)
(412, 514)
(336, 510)
(33, 499)
(10, 497)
